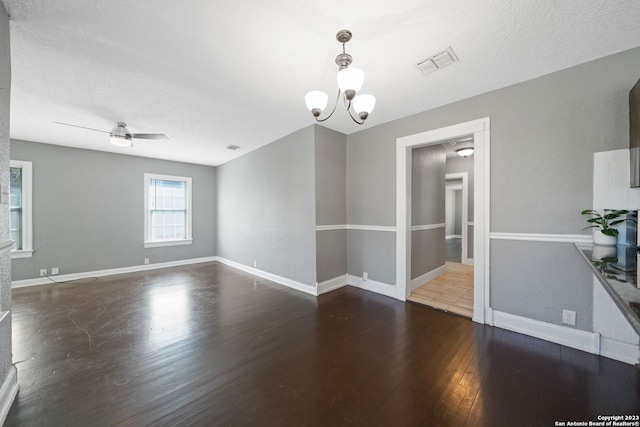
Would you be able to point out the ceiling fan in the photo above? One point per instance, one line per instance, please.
(120, 135)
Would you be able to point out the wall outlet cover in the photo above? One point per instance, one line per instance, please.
(569, 317)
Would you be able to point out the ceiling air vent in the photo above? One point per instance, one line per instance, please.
(232, 147)
(437, 61)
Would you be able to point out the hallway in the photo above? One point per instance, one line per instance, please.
(451, 292)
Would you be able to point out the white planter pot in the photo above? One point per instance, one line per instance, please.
(600, 252)
(603, 239)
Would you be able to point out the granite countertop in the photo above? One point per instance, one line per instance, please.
(616, 268)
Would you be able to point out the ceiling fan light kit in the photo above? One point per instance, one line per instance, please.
(120, 135)
(350, 81)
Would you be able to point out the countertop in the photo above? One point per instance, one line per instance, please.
(616, 269)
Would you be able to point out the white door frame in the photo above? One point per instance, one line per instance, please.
(464, 176)
(480, 129)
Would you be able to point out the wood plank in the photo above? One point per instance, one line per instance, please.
(210, 345)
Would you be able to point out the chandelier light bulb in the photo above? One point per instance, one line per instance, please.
(316, 101)
(350, 79)
(364, 103)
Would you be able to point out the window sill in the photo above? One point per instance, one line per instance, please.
(25, 253)
(167, 243)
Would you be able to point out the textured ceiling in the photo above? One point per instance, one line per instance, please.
(210, 74)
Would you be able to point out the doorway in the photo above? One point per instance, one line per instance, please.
(480, 129)
(452, 289)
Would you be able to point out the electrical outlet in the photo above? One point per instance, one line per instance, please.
(365, 276)
(255, 264)
(569, 317)
(54, 271)
(146, 260)
(43, 272)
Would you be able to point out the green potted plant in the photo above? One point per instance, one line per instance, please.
(603, 223)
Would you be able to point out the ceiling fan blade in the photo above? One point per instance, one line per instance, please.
(148, 136)
(82, 127)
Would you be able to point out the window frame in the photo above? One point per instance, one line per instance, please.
(27, 209)
(148, 243)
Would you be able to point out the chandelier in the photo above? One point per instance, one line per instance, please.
(349, 83)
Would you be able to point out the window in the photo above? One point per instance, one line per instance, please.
(167, 210)
(20, 188)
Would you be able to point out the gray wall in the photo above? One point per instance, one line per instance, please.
(5, 260)
(427, 208)
(88, 210)
(543, 136)
(267, 208)
(457, 200)
(331, 202)
(371, 201)
(465, 164)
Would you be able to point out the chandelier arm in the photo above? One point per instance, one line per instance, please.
(346, 102)
(335, 104)
(353, 118)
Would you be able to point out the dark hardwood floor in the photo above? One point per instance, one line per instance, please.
(209, 345)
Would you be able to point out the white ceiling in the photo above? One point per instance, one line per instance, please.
(210, 74)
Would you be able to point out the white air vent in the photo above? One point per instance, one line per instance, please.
(232, 147)
(437, 61)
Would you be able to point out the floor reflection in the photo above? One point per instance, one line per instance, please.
(170, 315)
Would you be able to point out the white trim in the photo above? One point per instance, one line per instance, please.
(531, 237)
(163, 243)
(470, 223)
(373, 286)
(427, 227)
(590, 342)
(109, 272)
(332, 284)
(453, 236)
(371, 227)
(27, 207)
(464, 245)
(331, 227)
(427, 277)
(356, 227)
(8, 393)
(481, 163)
(308, 289)
(147, 242)
(621, 351)
(574, 338)
(21, 254)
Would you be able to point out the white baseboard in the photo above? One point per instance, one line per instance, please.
(109, 272)
(309, 289)
(468, 261)
(372, 285)
(427, 277)
(332, 284)
(8, 393)
(622, 351)
(590, 342)
(574, 338)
